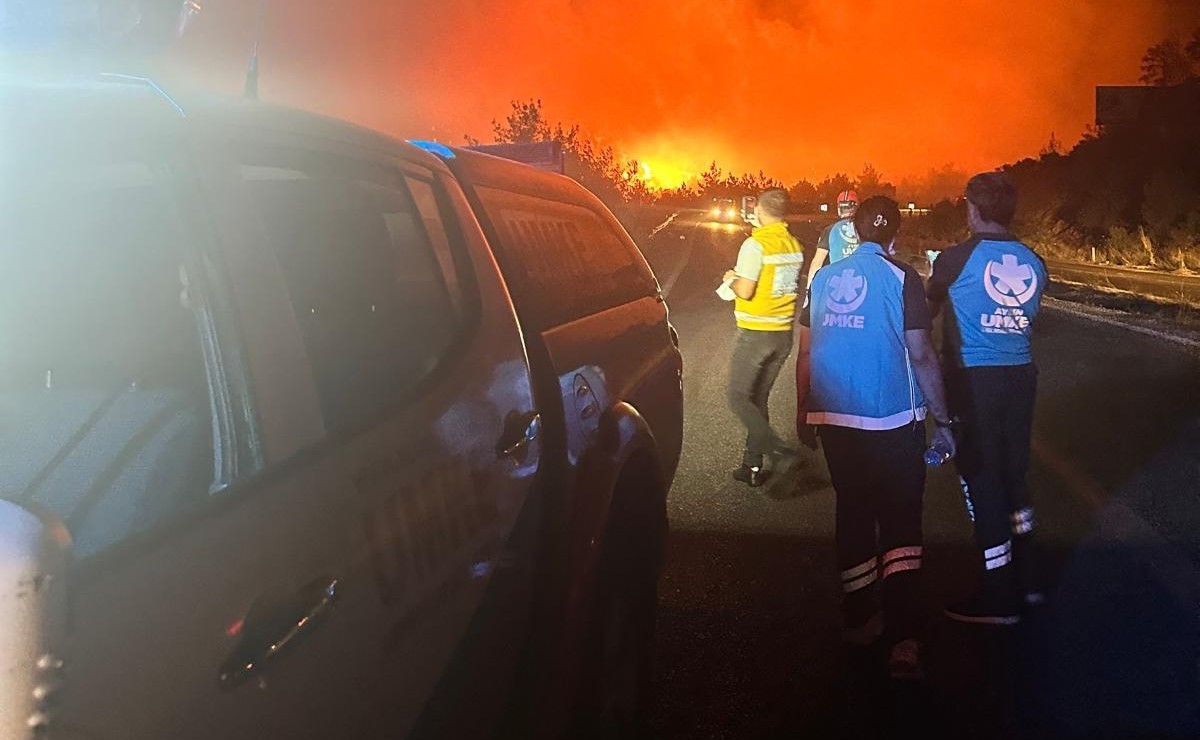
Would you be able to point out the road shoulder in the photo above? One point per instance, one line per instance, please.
(1160, 325)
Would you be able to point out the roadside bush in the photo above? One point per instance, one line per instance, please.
(1181, 249)
(1050, 236)
(1125, 247)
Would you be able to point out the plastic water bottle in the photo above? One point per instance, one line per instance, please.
(936, 455)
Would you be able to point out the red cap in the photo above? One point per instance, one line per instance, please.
(847, 196)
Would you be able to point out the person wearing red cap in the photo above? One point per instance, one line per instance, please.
(839, 239)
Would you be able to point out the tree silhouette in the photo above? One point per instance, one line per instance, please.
(937, 183)
(597, 168)
(1193, 47)
(871, 183)
(710, 180)
(1053, 147)
(803, 195)
(525, 124)
(828, 189)
(1167, 63)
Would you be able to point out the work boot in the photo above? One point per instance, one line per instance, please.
(998, 601)
(904, 661)
(1025, 558)
(752, 475)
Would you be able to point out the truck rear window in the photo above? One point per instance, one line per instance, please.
(562, 261)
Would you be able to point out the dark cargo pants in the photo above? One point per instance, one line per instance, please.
(758, 357)
(879, 480)
(995, 407)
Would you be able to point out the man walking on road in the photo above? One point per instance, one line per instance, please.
(765, 282)
(839, 239)
(994, 285)
(869, 312)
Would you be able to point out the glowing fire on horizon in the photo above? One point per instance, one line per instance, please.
(664, 173)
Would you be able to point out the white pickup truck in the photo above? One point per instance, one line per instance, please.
(306, 432)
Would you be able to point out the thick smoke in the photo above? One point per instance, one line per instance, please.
(796, 88)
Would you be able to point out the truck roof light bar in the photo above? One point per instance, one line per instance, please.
(433, 147)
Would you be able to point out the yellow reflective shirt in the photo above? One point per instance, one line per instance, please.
(773, 305)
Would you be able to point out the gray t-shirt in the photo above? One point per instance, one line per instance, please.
(750, 260)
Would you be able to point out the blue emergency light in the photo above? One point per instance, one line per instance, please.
(433, 147)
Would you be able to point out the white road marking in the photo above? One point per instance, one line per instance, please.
(664, 224)
(1067, 308)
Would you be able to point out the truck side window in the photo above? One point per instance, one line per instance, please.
(103, 392)
(426, 201)
(562, 261)
(372, 301)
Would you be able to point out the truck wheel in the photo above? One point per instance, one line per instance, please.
(617, 684)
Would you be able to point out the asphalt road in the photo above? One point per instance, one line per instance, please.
(1166, 285)
(749, 627)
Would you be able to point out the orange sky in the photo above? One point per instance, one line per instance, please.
(796, 88)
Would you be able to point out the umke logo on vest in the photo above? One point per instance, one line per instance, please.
(1011, 285)
(846, 294)
(1009, 282)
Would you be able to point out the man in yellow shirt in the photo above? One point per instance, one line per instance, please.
(766, 283)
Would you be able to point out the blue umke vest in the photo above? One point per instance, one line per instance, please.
(843, 239)
(995, 299)
(861, 374)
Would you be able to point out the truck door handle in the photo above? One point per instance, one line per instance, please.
(520, 430)
(271, 628)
